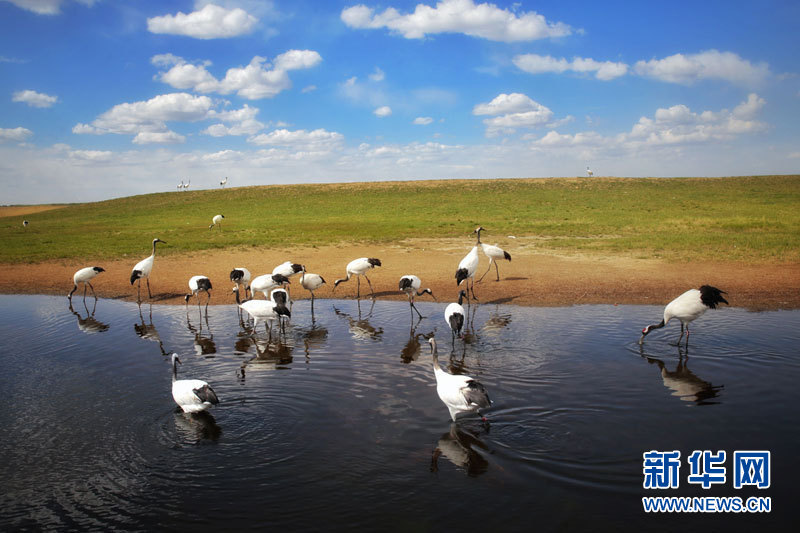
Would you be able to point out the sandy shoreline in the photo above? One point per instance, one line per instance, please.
(531, 278)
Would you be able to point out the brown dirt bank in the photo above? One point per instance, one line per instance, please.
(531, 278)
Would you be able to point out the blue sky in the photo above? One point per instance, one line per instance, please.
(101, 98)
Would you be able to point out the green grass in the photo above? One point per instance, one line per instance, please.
(754, 219)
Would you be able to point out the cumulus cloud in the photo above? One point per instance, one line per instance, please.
(34, 99)
(147, 120)
(259, 79)
(423, 121)
(484, 20)
(209, 22)
(675, 125)
(14, 134)
(239, 122)
(511, 112)
(319, 140)
(537, 64)
(383, 111)
(711, 64)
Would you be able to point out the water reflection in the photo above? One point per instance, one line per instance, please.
(496, 324)
(148, 331)
(268, 355)
(460, 446)
(413, 347)
(89, 324)
(360, 328)
(197, 427)
(314, 337)
(203, 343)
(684, 383)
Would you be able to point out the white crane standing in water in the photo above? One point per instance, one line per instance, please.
(461, 394)
(85, 275)
(199, 284)
(687, 307)
(192, 395)
(410, 285)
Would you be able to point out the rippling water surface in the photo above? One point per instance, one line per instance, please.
(337, 425)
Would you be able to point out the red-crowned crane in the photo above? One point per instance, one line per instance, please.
(143, 269)
(216, 221)
(266, 282)
(311, 282)
(410, 285)
(494, 253)
(358, 268)
(192, 395)
(468, 266)
(84, 275)
(288, 269)
(687, 307)
(460, 394)
(265, 311)
(199, 284)
(455, 316)
(241, 276)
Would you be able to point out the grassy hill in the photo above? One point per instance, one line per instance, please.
(754, 219)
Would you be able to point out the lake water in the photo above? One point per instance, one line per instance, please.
(336, 424)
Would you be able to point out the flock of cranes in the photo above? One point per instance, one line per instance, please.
(461, 394)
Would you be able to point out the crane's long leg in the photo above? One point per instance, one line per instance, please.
(149, 294)
(487, 270)
(84, 292)
(139, 290)
(681, 337)
(93, 293)
(473, 290)
(497, 271)
(414, 307)
(371, 292)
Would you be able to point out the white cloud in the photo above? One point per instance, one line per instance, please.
(513, 111)
(506, 103)
(34, 99)
(147, 120)
(46, 7)
(383, 111)
(158, 137)
(673, 126)
(603, 70)
(91, 155)
(377, 75)
(318, 140)
(209, 22)
(423, 121)
(485, 20)
(242, 122)
(711, 64)
(257, 80)
(309, 89)
(14, 134)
